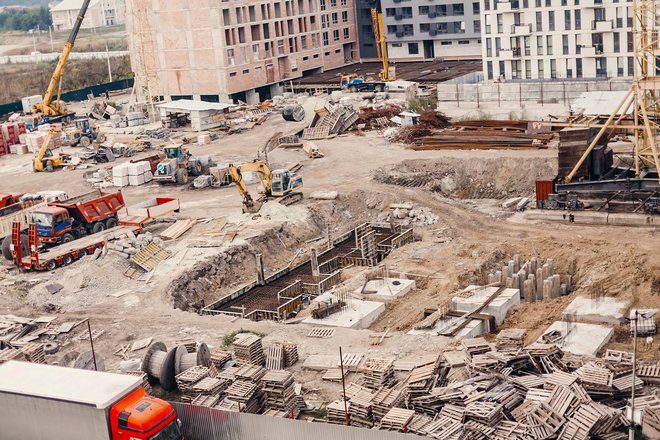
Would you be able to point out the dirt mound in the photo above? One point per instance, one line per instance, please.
(474, 178)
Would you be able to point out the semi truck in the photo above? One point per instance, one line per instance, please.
(40, 402)
(91, 213)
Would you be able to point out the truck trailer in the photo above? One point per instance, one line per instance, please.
(45, 402)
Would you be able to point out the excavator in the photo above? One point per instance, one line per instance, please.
(45, 160)
(387, 73)
(52, 109)
(283, 185)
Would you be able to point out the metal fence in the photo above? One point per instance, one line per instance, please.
(202, 423)
(540, 92)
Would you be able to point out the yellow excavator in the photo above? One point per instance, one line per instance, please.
(387, 73)
(51, 108)
(283, 185)
(45, 160)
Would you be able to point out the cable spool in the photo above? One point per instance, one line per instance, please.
(184, 360)
(158, 363)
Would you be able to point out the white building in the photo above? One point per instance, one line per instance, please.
(99, 13)
(547, 39)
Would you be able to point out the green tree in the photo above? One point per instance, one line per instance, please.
(25, 19)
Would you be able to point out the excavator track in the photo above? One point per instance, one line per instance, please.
(290, 199)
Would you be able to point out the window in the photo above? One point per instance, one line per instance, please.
(463, 41)
(578, 67)
(567, 20)
(487, 8)
(335, 35)
(489, 47)
(578, 20)
(489, 68)
(390, 12)
(540, 68)
(457, 9)
(631, 66)
(246, 71)
(617, 42)
(335, 18)
(528, 69)
(551, 20)
(325, 39)
(423, 10)
(343, 2)
(344, 16)
(230, 57)
(500, 24)
(413, 48)
(424, 27)
(564, 44)
(498, 46)
(408, 29)
(528, 49)
(629, 42)
(255, 51)
(548, 3)
(548, 44)
(539, 22)
(232, 74)
(475, 8)
(553, 69)
(539, 45)
(347, 33)
(446, 43)
(323, 5)
(333, 3)
(477, 25)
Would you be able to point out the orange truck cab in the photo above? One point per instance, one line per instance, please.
(9, 199)
(139, 416)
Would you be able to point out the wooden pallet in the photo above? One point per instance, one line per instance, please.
(275, 359)
(150, 257)
(321, 332)
(351, 361)
(397, 419)
(179, 228)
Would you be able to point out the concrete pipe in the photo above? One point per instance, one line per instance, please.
(184, 360)
(158, 363)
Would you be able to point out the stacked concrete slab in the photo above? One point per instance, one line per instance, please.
(133, 174)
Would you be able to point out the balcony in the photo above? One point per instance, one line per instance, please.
(507, 7)
(591, 51)
(591, 3)
(602, 25)
(521, 30)
(509, 54)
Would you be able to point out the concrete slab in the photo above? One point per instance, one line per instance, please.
(320, 362)
(498, 308)
(358, 314)
(582, 339)
(387, 288)
(602, 310)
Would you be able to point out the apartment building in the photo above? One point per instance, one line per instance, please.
(235, 49)
(422, 29)
(99, 13)
(548, 39)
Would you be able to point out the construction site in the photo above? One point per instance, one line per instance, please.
(356, 249)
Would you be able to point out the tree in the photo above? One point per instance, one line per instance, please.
(25, 19)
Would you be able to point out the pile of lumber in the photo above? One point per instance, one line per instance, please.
(279, 390)
(247, 395)
(378, 373)
(179, 228)
(480, 140)
(249, 350)
(488, 124)
(34, 352)
(329, 121)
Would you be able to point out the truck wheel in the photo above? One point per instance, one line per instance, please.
(352, 89)
(378, 88)
(67, 259)
(111, 223)
(51, 265)
(49, 166)
(85, 141)
(98, 227)
(196, 168)
(66, 238)
(100, 138)
(6, 251)
(182, 177)
(51, 347)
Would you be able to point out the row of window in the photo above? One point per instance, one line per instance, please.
(515, 4)
(571, 21)
(326, 19)
(571, 68)
(544, 45)
(453, 27)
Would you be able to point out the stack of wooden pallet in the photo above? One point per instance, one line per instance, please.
(336, 413)
(34, 352)
(189, 343)
(275, 360)
(418, 424)
(206, 400)
(186, 380)
(290, 354)
(475, 346)
(541, 420)
(421, 380)
(248, 350)
(145, 378)
(388, 398)
(596, 380)
(219, 358)
(210, 386)
(279, 390)
(397, 419)
(378, 373)
(248, 396)
(361, 409)
(249, 373)
(486, 412)
(510, 339)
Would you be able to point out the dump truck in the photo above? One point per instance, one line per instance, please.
(39, 402)
(62, 222)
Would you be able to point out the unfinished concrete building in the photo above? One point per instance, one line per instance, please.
(219, 51)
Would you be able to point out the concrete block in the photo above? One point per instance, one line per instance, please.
(387, 289)
(120, 170)
(120, 181)
(580, 338)
(499, 307)
(605, 309)
(136, 180)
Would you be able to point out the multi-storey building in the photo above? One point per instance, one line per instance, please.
(235, 49)
(423, 29)
(99, 13)
(547, 39)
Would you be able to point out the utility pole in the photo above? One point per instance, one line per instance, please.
(50, 34)
(107, 54)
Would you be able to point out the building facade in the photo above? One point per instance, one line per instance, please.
(219, 51)
(99, 13)
(562, 39)
(422, 29)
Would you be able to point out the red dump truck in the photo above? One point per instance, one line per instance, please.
(40, 401)
(62, 222)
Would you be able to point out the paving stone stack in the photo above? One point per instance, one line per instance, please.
(279, 390)
(249, 350)
(378, 373)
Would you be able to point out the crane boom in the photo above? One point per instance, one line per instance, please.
(381, 43)
(48, 106)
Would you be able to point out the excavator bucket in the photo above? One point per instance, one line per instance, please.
(252, 207)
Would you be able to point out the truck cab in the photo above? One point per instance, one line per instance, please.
(142, 417)
(54, 224)
(9, 199)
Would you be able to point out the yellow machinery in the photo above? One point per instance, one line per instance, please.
(381, 45)
(45, 160)
(281, 184)
(54, 107)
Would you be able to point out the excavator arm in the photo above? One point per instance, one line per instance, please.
(50, 107)
(39, 158)
(249, 204)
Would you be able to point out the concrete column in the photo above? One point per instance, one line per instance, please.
(508, 283)
(491, 278)
(516, 263)
(261, 278)
(551, 265)
(498, 277)
(532, 265)
(252, 97)
(224, 97)
(315, 262)
(547, 289)
(539, 281)
(546, 271)
(530, 291)
(512, 268)
(556, 286)
(515, 282)
(276, 89)
(329, 229)
(505, 273)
